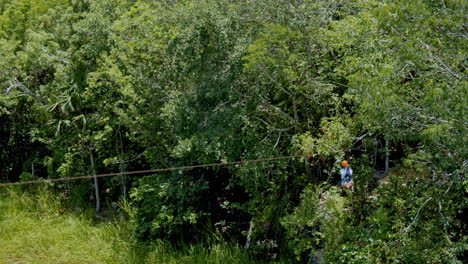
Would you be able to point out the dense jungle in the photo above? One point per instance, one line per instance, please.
(225, 124)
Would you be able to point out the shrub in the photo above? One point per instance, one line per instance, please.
(318, 222)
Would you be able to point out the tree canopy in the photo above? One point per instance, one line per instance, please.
(90, 87)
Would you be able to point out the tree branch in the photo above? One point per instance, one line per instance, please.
(296, 116)
(438, 59)
(249, 234)
(25, 89)
(220, 105)
(356, 139)
(417, 214)
(267, 105)
(277, 141)
(272, 127)
(127, 161)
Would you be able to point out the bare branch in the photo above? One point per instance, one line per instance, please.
(445, 221)
(249, 234)
(286, 91)
(445, 68)
(265, 137)
(272, 127)
(267, 105)
(356, 139)
(417, 214)
(446, 191)
(296, 116)
(25, 89)
(419, 110)
(7, 91)
(220, 105)
(442, 215)
(277, 141)
(458, 35)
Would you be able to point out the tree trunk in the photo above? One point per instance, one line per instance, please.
(96, 185)
(296, 116)
(298, 130)
(376, 148)
(123, 181)
(249, 234)
(308, 170)
(122, 177)
(387, 155)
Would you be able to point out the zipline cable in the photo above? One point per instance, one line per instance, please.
(154, 170)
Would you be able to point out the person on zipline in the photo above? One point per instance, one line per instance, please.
(346, 173)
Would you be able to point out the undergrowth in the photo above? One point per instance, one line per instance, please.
(35, 228)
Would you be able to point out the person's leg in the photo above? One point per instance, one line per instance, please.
(346, 185)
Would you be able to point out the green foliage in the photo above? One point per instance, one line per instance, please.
(319, 220)
(333, 142)
(169, 207)
(305, 216)
(105, 86)
(403, 71)
(284, 82)
(411, 219)
(408, 221)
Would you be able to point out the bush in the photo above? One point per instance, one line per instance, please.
(318, 222)
(411, 220)
(169, 207)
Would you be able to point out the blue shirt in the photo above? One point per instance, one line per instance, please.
(343, 173)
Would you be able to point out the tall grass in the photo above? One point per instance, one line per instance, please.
(35, 228)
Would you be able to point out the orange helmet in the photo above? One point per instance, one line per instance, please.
(344, 163)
